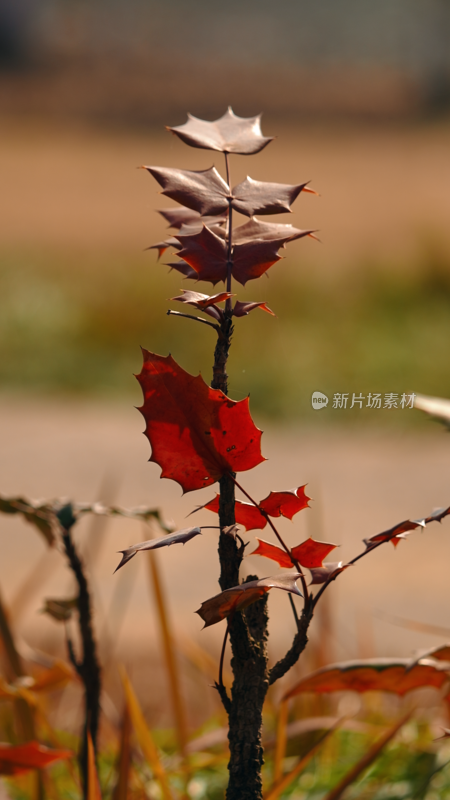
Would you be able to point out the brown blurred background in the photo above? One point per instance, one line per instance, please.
(358, 94)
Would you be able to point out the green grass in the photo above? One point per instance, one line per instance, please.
(73, 324)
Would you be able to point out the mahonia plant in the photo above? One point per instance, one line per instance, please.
(199, 436)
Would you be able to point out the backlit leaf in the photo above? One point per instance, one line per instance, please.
(238, 597)
(228, 134)
(378, 674)
(285, 504)
(18, 759)
(395, 532)
(273, 552)
(310, 553)
(246, 514)
(181, 537)
(197, 433)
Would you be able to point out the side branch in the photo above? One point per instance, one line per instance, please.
(298, 645)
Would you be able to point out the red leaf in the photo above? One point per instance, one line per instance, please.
(327, 571)
(197, 434)
(200, 300)
(246, 514)
(221, 605)
(228, 134)
(311, 553)
(273, 552)
(286, 503)
(396, 531)
(15, 760)
(378, 674)
(184, 268)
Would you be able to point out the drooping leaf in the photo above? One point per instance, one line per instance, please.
(285, 504)
(60, 609)
(207, 254)
(256, 229)
(327, 571)
(181, 537)
(200, 300)
(241, 308)
(37, 513)
(15, 760)
(273, 552)
(246, 514)
(238, 597)
(310, 553)
(395, 532)
(378, 674)
(206, 191)
(228, 134)
(197, 434)
(437, 515)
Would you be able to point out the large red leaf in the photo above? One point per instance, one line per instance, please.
(379, 674)
(197, 434)
(228, 134)
(310, 553)
(285, 504)
(221, 605)
(15, 760)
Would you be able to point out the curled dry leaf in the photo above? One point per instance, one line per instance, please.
(200, 300)
(238, 597)
(327, 571)
(15, 760)
(241, 309)
(197, 434)
(436, 407)
(378, 674)
(395, 533)
(61, 610)
(180, 537)
(228, 134)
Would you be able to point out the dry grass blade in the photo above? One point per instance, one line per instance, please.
(367, 759)
(280, 747)
(145, 738)
(93, 785)
(282, 784)
(169, 654)
(124, 759)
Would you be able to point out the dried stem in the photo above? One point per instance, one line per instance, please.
(220, 685)
(171, 313)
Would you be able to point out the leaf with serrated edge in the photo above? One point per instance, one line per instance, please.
(197, 433)
(285, 504)
(245, 514)
(238, 597)
(377, 674)
(184, 268)
(180, 537)
(311, 553)
(395, 532)
(273, 552)
(204, 191)
(255, 229)
(180, 217)
(241, 309)
(200, 300)
(259, 197)
(227, 134)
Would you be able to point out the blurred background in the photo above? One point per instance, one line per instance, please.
(358, 95)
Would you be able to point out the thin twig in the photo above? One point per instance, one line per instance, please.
(171, 313)
(284, 546)
(294, 610)
(220, 684)
(350, 563)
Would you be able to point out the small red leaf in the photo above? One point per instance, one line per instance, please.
(273, 552)
(286, 503)
(15, 760)
(221, 605)
(396, 531)
(197, 433)
(327, 571)
(245, 514)
(311, 553)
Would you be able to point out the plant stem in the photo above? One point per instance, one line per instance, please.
(171, 313)
(88, 667)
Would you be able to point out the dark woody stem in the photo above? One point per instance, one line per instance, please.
(228, 308)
